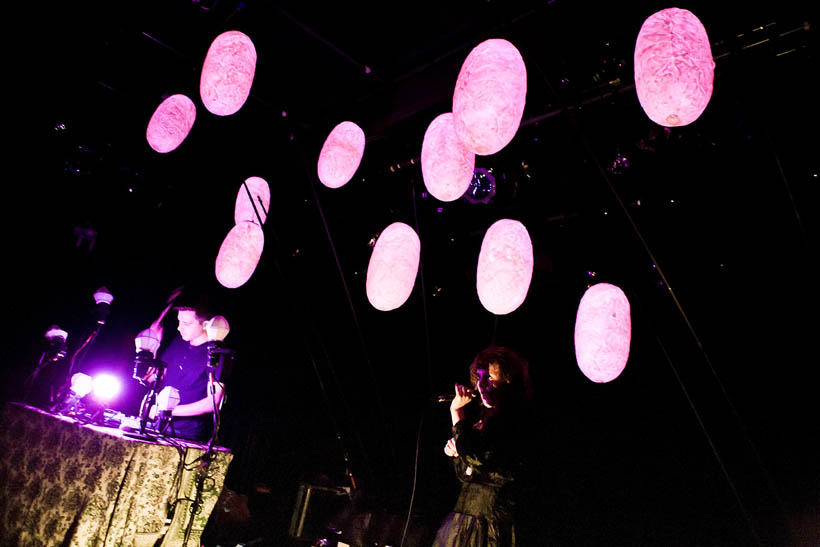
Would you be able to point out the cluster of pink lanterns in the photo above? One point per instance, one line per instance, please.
(674, 73)
(225, 84)
(241, 249)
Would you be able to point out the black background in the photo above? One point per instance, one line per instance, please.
(708, 437)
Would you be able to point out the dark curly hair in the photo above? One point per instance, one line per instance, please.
(513, 370)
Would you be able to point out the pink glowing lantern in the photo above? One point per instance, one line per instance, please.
(446, 165)
(489, 97)
(504, 267)
(259, 193)
(171, 123)
(227, 73)
(603, 330)
(674, 69)
(341, 155)
(393, 266)
(239, 254)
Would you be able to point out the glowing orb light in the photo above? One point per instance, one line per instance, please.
(603, 330)
(239, 254)
(171, 123)
(393, 266)
(674, 69)
(227, 73)
(106, 387)
(446, 165)
(341, 155)
(260, 192)
(504, 267)
(489, 96)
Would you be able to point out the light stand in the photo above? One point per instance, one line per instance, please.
(148, 371)
(217, 329)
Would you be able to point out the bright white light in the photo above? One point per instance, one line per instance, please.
(106, 387)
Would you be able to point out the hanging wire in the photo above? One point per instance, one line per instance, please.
(379, 404)
(423, 295)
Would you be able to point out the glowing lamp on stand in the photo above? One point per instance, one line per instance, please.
(446, 165)
(603, 331)
(239, 254)
(171, 123)
(217, 328)
(489, 97)
(674, 69)
(247, 207)
(227, 73)
(81, 384)
(505, 265)
(391, 273)
(341, 155)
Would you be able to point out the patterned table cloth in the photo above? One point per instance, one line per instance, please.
(65, 483)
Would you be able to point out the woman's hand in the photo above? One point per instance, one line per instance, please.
(450, 448)
(463, 396)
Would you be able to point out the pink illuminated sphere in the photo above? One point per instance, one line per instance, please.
(227, 73)
(393, 266)
(341, 155)
(674, 69)
(603, 331)
(489, 97)
(170, 123)
(106, 387)
(239, 254)
(446, 165)
(260, 192)
(505, 265)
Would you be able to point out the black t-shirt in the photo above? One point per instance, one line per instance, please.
(188, 372)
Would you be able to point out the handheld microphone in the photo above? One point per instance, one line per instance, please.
(449, 397)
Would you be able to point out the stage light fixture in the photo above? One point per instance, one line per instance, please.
(105, 387)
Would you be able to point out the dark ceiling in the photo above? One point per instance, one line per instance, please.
(710, 229)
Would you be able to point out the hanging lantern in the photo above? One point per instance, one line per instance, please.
(393, 266)
(341, 155)
(674, 69)
(603, 330)
(259, 193)
(446, 166)
(489, 97)
(170, 123)
(504, 267)
(227, 74)
(239, 254)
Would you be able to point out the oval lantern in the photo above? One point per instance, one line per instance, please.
(504, 267)
(489, 96)
(391, 273)
(227, 73)
(239, 254)
(674, 69)
(341, 155)
(446, 165)
(170, 123)
(603, 330)
(247, 207)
